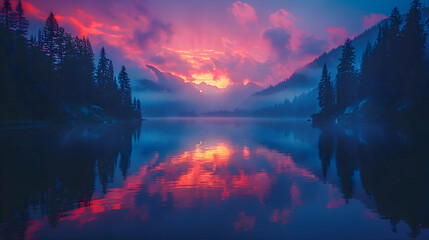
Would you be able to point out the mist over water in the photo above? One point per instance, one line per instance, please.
(213, 179)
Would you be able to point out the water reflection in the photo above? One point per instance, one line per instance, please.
(53, 171)
(393, 167)
(212, 179)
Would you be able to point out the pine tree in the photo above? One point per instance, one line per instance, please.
(394, 56)
(88, 70)
(366, 73)
(326, 95)
(112, 101)
(139, 109)
(40, 40)
(413, 50)
(394, 33)
(8, 16)
(347, 80)
(53, 70)
(125, 90)
(22, 22)
(110, 73)
(112, 86)
(110, 79)
(379, 59)
(61, 43)
(102, 71)
(50, 39)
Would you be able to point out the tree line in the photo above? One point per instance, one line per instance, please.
(392, 77)
(48, 179)
(52, 74)
(380, 158)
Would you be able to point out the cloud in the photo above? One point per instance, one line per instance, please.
(239, 67)
(244, 13)
(33, 11)
(337, 36)
(290, 43)
(279, 40)
(283, 19)
(372, 19)
(93, 28)
(311, 45)
(156, 32)
(198, 43)
(171, 62)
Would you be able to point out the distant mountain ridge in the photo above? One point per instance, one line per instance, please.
(170, 95)
(306, 78)
(144, 85)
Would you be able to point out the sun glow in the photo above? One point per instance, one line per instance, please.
(208, 78)
(200, 60)
(200, 173)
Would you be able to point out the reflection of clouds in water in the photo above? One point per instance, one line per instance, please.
(198, 175)
(285, 216)
(336, 201)
(240, 176)
(244, 223)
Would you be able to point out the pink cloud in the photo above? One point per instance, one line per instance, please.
(93, 28)
(244, 13)
(372, 19)
(338, 36)
(290, 44)
(210, 48)
(282, 19)
(32, 10)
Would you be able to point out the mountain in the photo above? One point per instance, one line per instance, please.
(306, 78)
(169, 95)
(145, 85)
(298, 107)
(229, 98)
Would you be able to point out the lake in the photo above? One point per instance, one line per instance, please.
(214, 179)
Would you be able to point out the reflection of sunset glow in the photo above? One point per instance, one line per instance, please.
(336, 201)
(284, 216)
(286, 164)
(199, 174)
(246, 153)
(244, 223)
(369, 214)
(207, 177)
(116, 199)
(206, 174)
(33, 227)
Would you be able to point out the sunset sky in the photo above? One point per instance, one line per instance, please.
(220, 42)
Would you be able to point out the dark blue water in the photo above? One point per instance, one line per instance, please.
(214, 179)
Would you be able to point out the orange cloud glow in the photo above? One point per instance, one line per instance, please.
(201, 173)
(236, 43)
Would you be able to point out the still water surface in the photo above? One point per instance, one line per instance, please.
(213, 179)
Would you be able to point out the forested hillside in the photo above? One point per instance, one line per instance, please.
(52, 76)
(392, 81)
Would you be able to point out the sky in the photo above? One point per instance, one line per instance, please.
(218, 42)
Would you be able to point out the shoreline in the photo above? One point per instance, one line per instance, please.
(30, 124)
